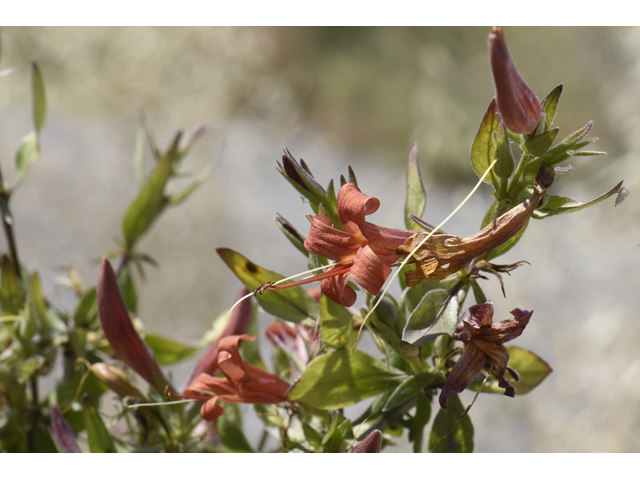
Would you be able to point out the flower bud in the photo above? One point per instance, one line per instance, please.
(118, 329)
(116, 380)
(371, 444)
(519, 107)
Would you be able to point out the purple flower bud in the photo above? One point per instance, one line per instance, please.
(118, 329)
(519, 107)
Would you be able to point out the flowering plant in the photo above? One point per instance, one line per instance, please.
(429, 341)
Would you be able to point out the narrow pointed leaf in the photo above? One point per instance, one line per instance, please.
(420, 419)
(557, 205)
(483, 150)
(410, 387)
(531, 369)
(293, 304)
(230, 432)
(416, 194)
(39, 98)
(336, 323)
(550, 104)
(27, 154)
(342, 378)
(539, 145)
(169, 351)
(293, 235)
(460, 440)
(432, 318)
(99, 439)
(505, 164)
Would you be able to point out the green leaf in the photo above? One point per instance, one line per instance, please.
(169, 351)
(336, 323)
(557, 205)
(478, 293)
(342, 378)
(460, 440)
(531, 369)
(293, 235)
(11, 294)
(416, 194)
(550, 103)
(539, 145)
(39, 99)
(151, 199)
(502, 207)
(293, 304)
(483, 150)
(86, 310)
(230, 431)
(49, 319)
(505, 164)
(409, 388)
(339, 435)
(420, 419)
(99, 439)
(27, 154)
(312, 435)
(436, 314)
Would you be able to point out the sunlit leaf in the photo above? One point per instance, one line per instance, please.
(169, 351)
(445, 440)
(293, 304)
(531, 369)
(505, 164)
(550, 104)
(539, 145)
(99, 439)
(39, 99)
(27, 154)
(409, 388)
(483, 150)
(342, 378)
(557, 205)
(336, 323)
(230, 431)
(435, 315)
(416, 194)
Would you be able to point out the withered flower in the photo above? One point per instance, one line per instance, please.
(123, 338)
(293, 341)
(519, 107)
(236, 325)
(362, 253)
(442, 254)
(483, 345)
(242, 382)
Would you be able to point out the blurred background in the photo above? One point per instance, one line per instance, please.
(338, 97)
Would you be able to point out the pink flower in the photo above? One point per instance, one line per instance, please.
(519, 107)
(242, 382)
(237, 325)
(361, 252)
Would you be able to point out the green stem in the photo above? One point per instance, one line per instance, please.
(524, 159)
(7, 224)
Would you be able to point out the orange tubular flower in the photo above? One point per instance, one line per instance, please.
(483, 341)
(361, 252)
(519, 107)
(242, 382)
(237, 325)
(123, 338)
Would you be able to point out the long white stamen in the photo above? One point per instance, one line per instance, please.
(281, 281)
(424, 240)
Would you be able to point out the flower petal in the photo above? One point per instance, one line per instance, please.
(331, 243)
(353, 206)
(463, 373)
(210, 410)
(336, 289)
(369, 271)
